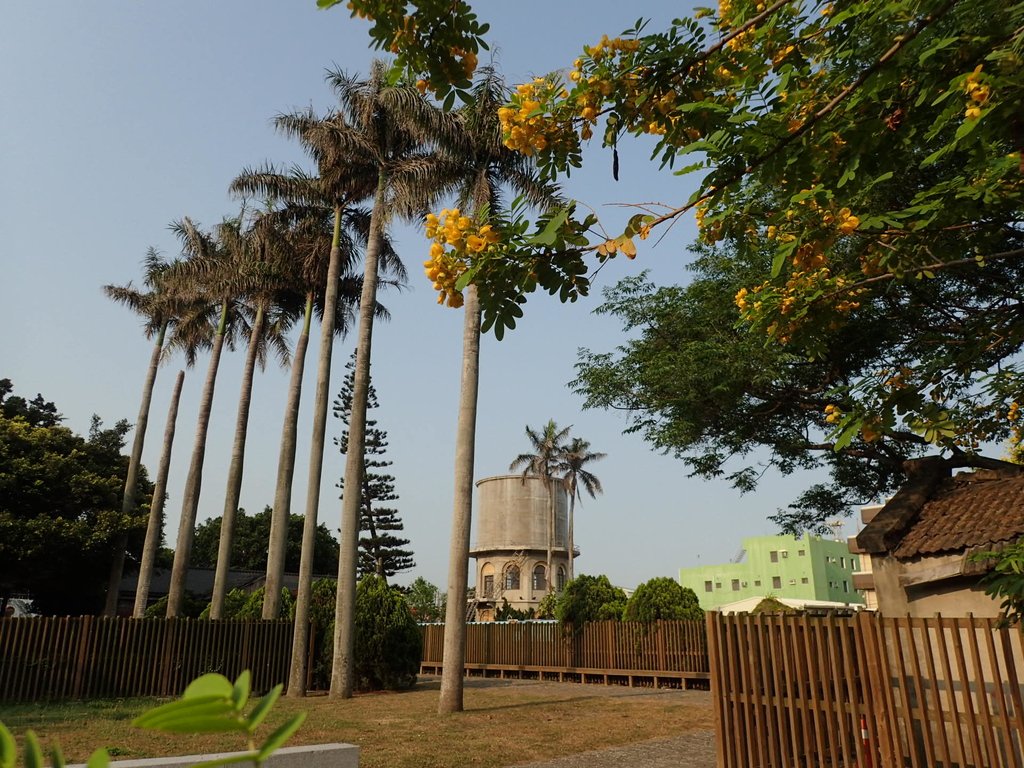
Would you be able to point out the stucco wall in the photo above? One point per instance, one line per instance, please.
(939, 589)
(512, 514)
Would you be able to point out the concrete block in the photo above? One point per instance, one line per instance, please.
(312, 756)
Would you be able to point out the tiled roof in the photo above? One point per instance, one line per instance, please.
(971, 511)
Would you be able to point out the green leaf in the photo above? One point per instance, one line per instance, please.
(262, 709)
(966, 127)
(848, 433)
(33, 752)
(98, 759)
(467, 277)
(549, 234)
(280, 736)
(784, 252)
(8, 749)
(57, 756)
(207, 708)
(210, 684)
(240, 690)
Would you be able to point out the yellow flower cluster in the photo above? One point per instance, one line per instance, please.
(525, 125)
(1014, 413)
(977, 94)
(460, 233)
(610, 47)
(833, 413)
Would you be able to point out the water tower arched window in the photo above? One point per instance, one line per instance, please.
(561, 578)
(487, 574)
(512, 577)
(540, 582)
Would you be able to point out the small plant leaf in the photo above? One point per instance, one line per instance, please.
(57, 757)
(280, 736)
(98, 759)
(210, 684)
(211, 705)
(263, 707)
(33, 752)
(8, 749)
(240, 691)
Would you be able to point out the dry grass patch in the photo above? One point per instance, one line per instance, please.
(505, 723)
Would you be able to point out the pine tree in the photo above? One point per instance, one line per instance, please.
(381, 551)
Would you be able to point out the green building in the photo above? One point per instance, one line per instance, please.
(808, 568)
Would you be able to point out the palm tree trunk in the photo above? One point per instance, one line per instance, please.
(342, 672)
(281, 513)
(131, 482)
(234, 487)
(194, 481)
(454, 657)
(300, 637)
(549, 481)
(156, 509)
(572, 515)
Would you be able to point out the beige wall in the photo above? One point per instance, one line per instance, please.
(926, 586)
(512, 514)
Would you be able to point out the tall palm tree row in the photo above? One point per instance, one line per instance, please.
(157, 308)
(572, 464)
(481, 168)
(390, 125)
(221, 303)
(254, 274)
(156, 511)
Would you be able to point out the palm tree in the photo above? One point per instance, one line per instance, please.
(156, 510)
(575, 457)
(199, 329)
(348, 170)
(385, 124)
(253, 273)
(157, 308)
(549, 447)
(482, 168)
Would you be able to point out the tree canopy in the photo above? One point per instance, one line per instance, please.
(60, 505)
(662, 598)
(589, 598)
(859, 161)
(249, 550)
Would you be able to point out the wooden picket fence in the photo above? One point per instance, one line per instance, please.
(866, 691)
(52, 658)
(661, 653)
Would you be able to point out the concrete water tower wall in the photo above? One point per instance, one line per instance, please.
(513, 514)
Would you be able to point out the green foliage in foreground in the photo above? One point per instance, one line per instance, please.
(1006, 580)
(210, 704)
(388, 643)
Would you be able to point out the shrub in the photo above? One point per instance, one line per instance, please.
(388, 643)
(589, 598)
(663, 598)
(191, 607)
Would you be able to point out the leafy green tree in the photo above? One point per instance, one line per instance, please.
(764, 405)
(249, 551)
(589, 598)
(60, 506)
(548, 448)
(662, 598)
(425, 600)
(381, 552)
(388, 643)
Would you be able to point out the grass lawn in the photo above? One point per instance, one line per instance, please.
(505, 723)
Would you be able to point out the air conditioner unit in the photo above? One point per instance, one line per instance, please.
(785, 553)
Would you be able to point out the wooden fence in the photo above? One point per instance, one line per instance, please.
(666, 652)
(85, 657)
(866, 691)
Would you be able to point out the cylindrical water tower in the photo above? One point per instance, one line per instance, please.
(512, 529)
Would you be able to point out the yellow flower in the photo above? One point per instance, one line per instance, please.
(436, 250)
(972, 113)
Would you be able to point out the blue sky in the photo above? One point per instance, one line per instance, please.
(116, 119)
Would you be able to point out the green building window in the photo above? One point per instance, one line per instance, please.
(707, 586)
(776, 582)
(735, 585)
